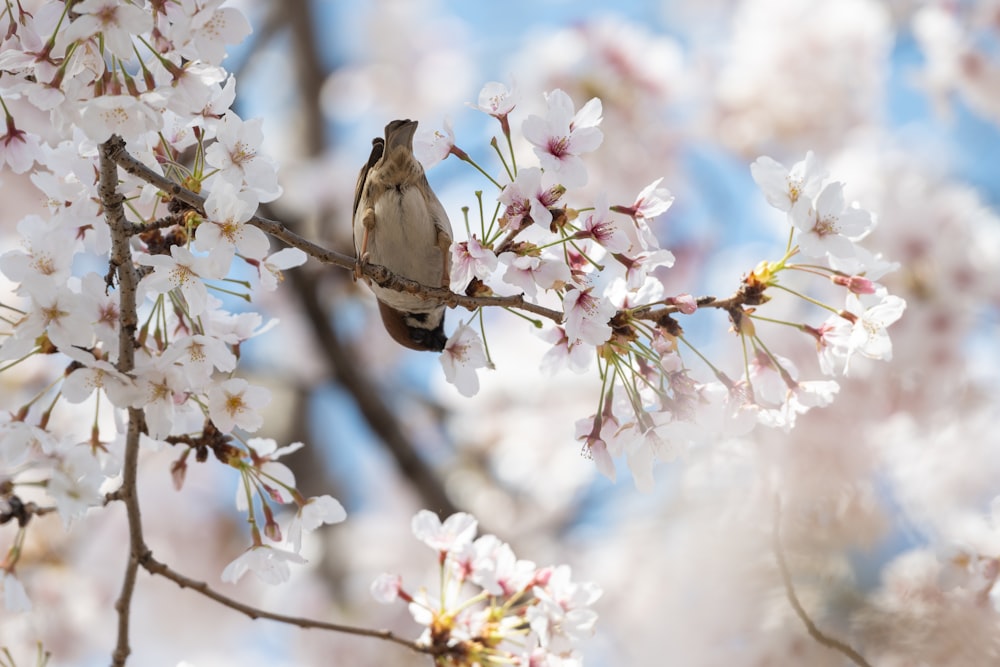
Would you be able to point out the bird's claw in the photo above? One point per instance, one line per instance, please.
(359, 266)
(368, 220)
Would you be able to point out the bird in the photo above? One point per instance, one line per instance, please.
(400, 224)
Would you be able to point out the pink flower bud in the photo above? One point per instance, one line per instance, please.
(856, 284)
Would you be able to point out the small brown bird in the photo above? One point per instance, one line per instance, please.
(400, 224)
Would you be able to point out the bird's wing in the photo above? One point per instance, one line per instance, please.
(378, 147)
(444, 234)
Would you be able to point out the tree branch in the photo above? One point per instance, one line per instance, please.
(746, 295)
(378, 274)
(155, 567)
(786, 578)
(121, 263)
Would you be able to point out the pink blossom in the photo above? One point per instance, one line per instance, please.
(433, 146)
(454, 533)
(563, 135)
(235, 403)
(200, 29)
(565, 352)
(529, 272)
(19, 149)
(270, 564)
(236, 153)
(527, 200)
(116, 21)
(225, 230)
(462, 355)
(827, 226)
(497, 100)
(470, 259)
(784, 187)
(587, 316)
(312, 514)
(271, 269)
(387, 588)
(651, 202)
(605, 229)
(184, 271)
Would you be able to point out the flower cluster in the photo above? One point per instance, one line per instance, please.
(491, 607)
(149, 75)
(267, 481)
(601, 265)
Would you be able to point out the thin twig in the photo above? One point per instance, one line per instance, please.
(800, 611)
(155, 567)
(121, 261)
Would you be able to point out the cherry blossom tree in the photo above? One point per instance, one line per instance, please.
(719, 378)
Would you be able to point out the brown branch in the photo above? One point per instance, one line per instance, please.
(378, 274)
(385, 278)
(121, 262)
(786, 578)
(155, 567)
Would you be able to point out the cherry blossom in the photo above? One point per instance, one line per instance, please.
(497, 100)
(93, 375)
(604, 229)
(115, 21)
(386, 588)
(453, 533)
(565, 352)
(18, 149)
(651, 202)
(827, 226)
(55, 311)
(160, 389)
(124, 115)
(562, 616)
(587, 316)
(184, 271)
(530, 272)
(270, 564)
(469, 259)
(45, 261)
(433, 146)
(200, 29)
(75, 484)
(236, 154)
(198, 356)
(225, 231)
(563, 134)
(784, 187)
(868, 334)
(235, 403)
(527, 200)
(490, 603)
(270, 270)
(462, 355)
(312, 514)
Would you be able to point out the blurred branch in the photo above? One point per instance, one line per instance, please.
(786, 578)
(376, 411)
(301, 21)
